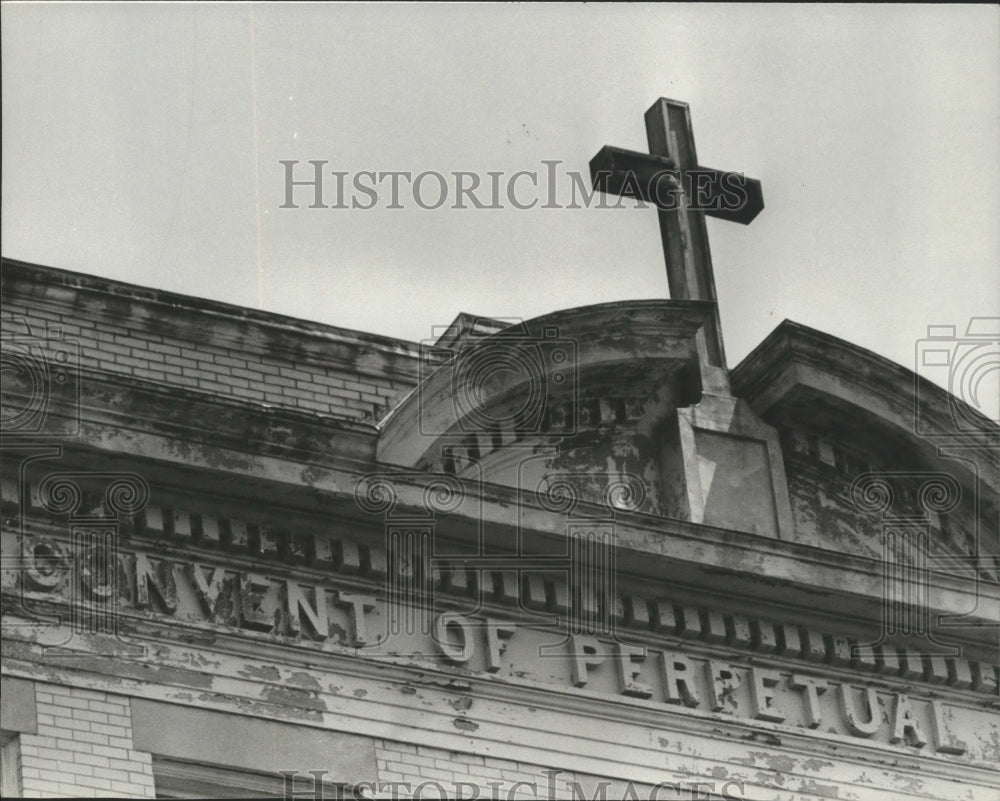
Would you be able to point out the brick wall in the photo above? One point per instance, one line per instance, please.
(401, 762)
(83, 747)
(206, 346)
(494, 778)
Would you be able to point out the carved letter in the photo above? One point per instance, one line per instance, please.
(855, 724)
(585, 653)
(813, 688)
(254, 588)
(47, 564)
(722, 681)
(905, 728)
(160, 578)
(97, 570)
(764, 707)
(459, 654)
(946, 742)
(678, 680)
(207, 591)
(497, 633)
(627, 655)
(357, 605)
(296, 604)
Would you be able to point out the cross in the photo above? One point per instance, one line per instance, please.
(669, 177)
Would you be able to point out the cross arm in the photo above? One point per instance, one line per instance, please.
(657, 180)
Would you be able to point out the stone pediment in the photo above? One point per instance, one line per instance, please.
(797, 367)
(577, 393)
(866, 441)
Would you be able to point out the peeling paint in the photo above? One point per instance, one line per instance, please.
(777, 762)
(822, 790)
(290, 696)
(305, 681)
(816, 764)
(762, 737)
(266, 672)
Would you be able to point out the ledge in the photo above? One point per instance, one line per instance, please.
(795, 358)
(314, 467)
(172, 314)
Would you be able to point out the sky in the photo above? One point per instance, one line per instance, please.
(144, 143)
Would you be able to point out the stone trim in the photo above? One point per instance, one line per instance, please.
(544, 589)
(204, 735)
(18, 712)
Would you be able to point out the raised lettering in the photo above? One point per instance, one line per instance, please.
(356, 606)
(628, 657)
(678, 680)
(855, 724)
(723, 680)
(207, 591)
(905, 727)
(297, 606)
(254, 589)
(946, 742)
(585, 653)
(460, 652)
(497, 634)
(762, 698)
(160, 577)
(47, 565)
(813, 689)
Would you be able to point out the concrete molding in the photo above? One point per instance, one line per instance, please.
(210, 736)
(615, 736)
(17, 706)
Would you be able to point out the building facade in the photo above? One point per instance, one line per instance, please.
(249, 554)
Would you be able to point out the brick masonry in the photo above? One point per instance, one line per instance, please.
(83, 747)
(208, 347)
(455, 771)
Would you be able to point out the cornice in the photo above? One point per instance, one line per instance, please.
(757, 378)
(663, 551)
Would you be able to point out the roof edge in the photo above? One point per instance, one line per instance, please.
(792, 342)
(55, 276)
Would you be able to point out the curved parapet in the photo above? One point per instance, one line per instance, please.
(852, 422)
(581, 393)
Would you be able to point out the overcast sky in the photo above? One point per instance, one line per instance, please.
(143, 143)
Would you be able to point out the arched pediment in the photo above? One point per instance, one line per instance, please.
(845, 413)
